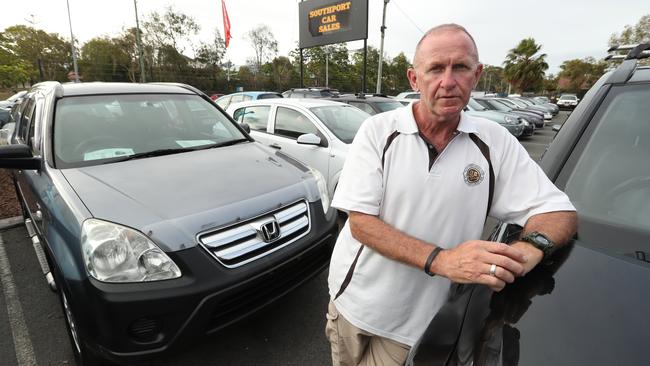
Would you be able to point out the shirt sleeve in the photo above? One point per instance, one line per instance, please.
(522, 189)
(360, 186)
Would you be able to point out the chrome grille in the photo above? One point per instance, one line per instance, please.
(242, 243)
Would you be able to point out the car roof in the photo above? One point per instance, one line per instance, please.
(359, 99)
(295, 102)
(77, 89)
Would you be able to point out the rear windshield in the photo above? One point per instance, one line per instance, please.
(388, 106)
(568, 97)
(269, 96)
(98, 129)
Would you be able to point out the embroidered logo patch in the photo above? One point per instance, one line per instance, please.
(473, 174)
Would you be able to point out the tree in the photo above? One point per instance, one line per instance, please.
(492, 79)
(577, 75)
(395, 80)
(104, 59)
(524, 68)
(264, 45)
(47, 56)
(639, 33)
(282, 73)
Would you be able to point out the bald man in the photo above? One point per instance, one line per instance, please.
(418, 184)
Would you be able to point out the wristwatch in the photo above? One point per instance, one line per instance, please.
(541, 242)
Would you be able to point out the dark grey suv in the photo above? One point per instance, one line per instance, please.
(157, 217)
(587, 304)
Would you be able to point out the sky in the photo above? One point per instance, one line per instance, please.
(566, 29)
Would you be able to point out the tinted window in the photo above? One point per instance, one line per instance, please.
(291, 123)
(364, 107)
(388, 105)
(269, 96)
(343, 120)
(413, 96)
(97, 129)
(257, 117)
(25, 119)
(611, 180)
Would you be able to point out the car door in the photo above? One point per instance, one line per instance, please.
(289, 123)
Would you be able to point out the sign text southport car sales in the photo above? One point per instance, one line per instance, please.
(323, 22)
(330, 17)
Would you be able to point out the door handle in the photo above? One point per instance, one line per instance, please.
(276, 146)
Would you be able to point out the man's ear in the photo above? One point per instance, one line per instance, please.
(412, 76)
(477, 75)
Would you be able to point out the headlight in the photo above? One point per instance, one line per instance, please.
(115, 253)
(509, 120)
(322, 188)
(524, 122)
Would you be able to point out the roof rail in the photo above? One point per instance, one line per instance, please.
(636, 52)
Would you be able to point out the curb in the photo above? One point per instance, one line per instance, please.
(11, 222)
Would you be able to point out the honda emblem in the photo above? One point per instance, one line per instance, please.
(270, 231)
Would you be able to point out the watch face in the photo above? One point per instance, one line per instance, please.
(541, 239)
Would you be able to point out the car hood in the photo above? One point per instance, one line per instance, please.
(495, 116)
(592, 311)
(172, 198)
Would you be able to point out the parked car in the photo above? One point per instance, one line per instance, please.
(587, 304)
(513, 123)
(226, 100)
(408, 95)
(369, 104)
(554, 108)
(545, 108)
(313, 92)
(6, 126)
(546, 113)
(9, 102)
(316, 132)
(569, 101)
(532, 118)
(156, 217)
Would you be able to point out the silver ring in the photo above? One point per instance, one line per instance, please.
(493, 270)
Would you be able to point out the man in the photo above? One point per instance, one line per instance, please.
(418, 183)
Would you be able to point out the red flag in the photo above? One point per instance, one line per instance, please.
(226, 23)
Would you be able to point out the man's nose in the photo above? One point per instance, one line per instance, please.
(447, 79)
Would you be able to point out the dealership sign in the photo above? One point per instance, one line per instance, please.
(325, 22)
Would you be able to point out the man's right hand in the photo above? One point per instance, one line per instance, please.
(470, 262)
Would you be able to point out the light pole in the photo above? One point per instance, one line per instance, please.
(74, 52)
(381, 48)
(139, 41)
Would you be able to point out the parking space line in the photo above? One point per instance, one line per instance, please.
(22, 342)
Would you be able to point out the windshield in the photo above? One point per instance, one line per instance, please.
(498, 105)
(568, 97)
(388, 106)
(343, 120)
(99, 129)
(475, 106)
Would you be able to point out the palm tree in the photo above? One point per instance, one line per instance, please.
(523, 69)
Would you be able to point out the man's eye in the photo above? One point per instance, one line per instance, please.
(461, 67)
(437, 69)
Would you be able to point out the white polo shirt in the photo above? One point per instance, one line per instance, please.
(444, 205)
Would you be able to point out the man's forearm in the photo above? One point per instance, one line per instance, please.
(559, 226)
(388, 241)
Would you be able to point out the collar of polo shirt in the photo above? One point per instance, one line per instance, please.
(406, 123)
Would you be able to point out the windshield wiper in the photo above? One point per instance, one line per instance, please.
(225, 143)
(148, 154)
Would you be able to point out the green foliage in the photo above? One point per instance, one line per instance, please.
(12, 75)
(578, 75)
(492, 79)
(524, 68)
(638, 33)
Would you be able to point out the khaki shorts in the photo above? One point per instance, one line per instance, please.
(352, 346)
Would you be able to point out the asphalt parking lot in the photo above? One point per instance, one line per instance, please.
(290, 332)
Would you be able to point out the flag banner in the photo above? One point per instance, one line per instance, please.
(226, 23)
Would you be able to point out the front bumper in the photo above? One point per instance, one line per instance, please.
(133, 322)
(515, 130)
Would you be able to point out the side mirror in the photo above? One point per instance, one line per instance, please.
(556, 128)
(309, 139)
(246, 127)
(18, 156)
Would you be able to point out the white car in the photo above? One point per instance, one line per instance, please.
(316, 132)
(567, 101)
(408, 95)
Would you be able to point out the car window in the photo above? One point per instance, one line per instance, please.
(246, 97)
(257, 117)
(98, 129)
(237, 98)
(611, 179)
(388, 105)
(291, 123)
(269, 96)
(412, 96)
(26, 116)
(364, 107)
(343, 120)
(224, 102)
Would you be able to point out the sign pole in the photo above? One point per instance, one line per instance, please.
(365, 62)
(301, 69)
